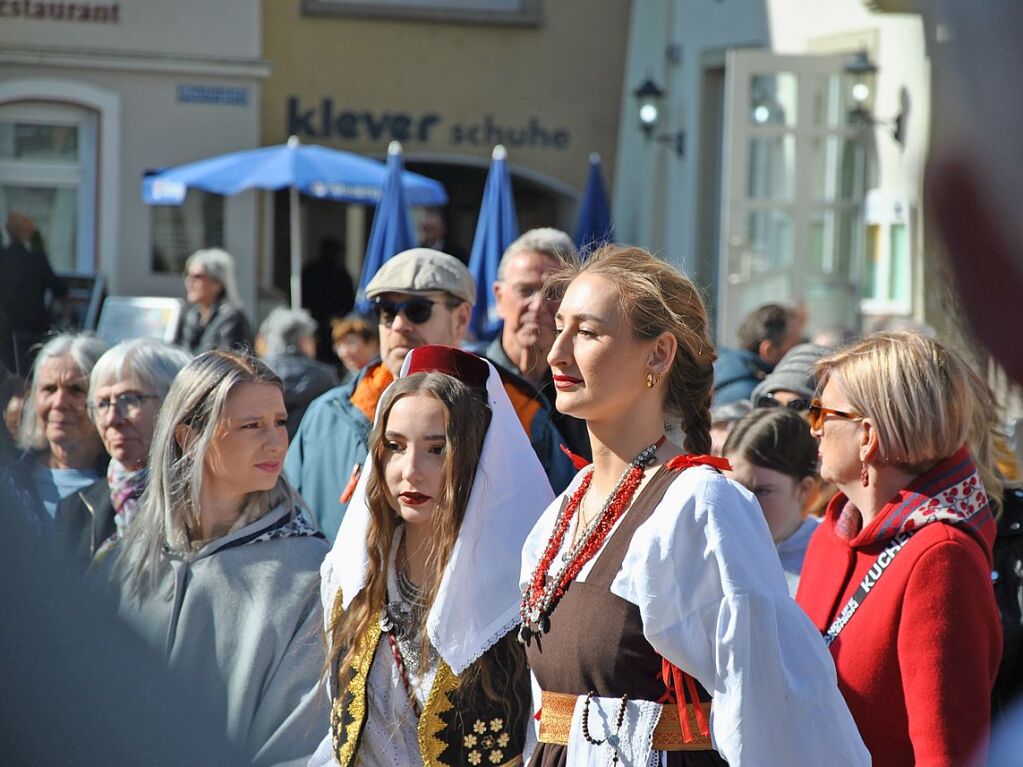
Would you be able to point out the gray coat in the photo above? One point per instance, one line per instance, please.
(243, 619)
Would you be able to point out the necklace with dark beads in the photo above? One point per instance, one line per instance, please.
(543, 593)
(612, 738)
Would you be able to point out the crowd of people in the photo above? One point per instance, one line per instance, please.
(596, 539)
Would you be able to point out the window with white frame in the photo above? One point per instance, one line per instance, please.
(887, 278)
(180, 230)
(48, 173)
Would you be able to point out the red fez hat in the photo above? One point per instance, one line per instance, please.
(467, 368)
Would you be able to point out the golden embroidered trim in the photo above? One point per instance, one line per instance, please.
(430, 723)
(556, 721)
(355, 692)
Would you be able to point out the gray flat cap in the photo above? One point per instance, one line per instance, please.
(421, 270)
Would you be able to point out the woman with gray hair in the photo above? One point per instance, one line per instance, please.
(215, 319)
(126, 387)
(219, 571)
(62, 452)
(287, 343)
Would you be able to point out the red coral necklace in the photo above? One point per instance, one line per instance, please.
(543, 593)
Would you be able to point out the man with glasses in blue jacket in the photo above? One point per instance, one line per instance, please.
(419, 297)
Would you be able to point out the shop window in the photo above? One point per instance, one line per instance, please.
(180, 230)
(47, 167)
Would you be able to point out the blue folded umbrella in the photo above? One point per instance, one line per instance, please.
(392, 231)
(593, 227)
(496, 228)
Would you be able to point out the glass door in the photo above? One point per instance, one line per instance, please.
(794, 180)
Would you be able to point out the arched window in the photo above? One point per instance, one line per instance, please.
(48, 153)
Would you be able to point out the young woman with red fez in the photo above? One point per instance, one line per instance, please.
(898, 575)
(420, 588)
(655, 614)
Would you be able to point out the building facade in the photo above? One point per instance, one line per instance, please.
(805, 133)
(95, 95)
(449, 80)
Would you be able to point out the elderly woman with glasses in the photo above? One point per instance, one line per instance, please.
(126, 387)
(898, 576)
(216, 317)
(62, 452)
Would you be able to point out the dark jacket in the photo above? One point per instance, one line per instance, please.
(736, 374)
(84, 520)
(573, 430)
(21, 476)
(304, 380)
(25, 277)
(227, 328)
(1007, 579)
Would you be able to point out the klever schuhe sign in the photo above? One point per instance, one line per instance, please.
(327, 121)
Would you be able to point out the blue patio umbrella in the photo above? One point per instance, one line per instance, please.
(593, 227)
(391, 232)
(313, 170)
(496, 228)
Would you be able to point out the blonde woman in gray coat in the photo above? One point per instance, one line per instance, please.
(219, 571)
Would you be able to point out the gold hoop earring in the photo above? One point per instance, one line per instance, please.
(650, 380)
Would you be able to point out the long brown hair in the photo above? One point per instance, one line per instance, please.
(655, 298)
(466, 418)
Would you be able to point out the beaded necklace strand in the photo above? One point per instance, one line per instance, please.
(542, 594)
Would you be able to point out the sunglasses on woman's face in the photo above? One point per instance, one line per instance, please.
(817, 414)
(417, 310)
(767, 400)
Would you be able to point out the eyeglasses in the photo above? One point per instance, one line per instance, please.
(768, 400)
(127, 405)
(195, 276)
(525, 294)
(416, 310)
(817, 414)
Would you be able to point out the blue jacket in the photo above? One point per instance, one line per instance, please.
(333, 439)
(736, 374)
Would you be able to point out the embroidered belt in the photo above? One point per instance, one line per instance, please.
(556, 710)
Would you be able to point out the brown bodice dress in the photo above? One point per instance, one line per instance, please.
(596, 640)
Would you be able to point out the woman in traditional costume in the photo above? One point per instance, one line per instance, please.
(420, 588)
(657, 621)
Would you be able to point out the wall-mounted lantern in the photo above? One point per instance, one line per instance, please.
(649, 97)
(862, 74)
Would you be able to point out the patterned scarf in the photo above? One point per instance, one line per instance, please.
(126, 488)
(951, 492)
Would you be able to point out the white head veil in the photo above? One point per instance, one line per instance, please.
(478, 599)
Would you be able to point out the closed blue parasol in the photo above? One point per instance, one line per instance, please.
(496, 228)
(391, 232)
(593, 227)
(313, 170)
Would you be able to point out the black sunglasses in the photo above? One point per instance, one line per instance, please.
(416, 310)
(768, 400)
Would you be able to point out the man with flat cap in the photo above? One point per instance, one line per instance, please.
(419, 297)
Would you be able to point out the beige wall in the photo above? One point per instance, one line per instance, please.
(128, 70)
(431, 84)
(225, 28)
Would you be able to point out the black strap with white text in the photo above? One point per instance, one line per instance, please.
(883, 561)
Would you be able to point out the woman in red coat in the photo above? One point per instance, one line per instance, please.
(898, 577)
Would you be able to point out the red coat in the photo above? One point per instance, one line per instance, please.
(917, 661)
